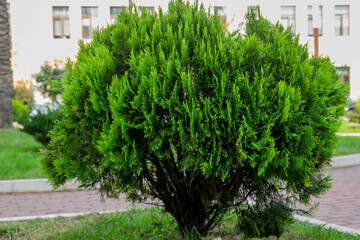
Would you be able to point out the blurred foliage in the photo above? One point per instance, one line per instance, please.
(40, 123)
(354, 114)
(23, 93)
(20, 111)
(49, 80)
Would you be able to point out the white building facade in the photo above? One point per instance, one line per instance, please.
(49, 30)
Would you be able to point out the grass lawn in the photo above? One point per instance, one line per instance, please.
(347, 145)
(18, 155)
(140, 224)
(349, 127)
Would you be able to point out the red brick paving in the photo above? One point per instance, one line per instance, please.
(340, 206)
(30, 204)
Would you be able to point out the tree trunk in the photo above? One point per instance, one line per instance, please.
(6, 86)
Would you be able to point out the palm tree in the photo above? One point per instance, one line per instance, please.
(6, 86)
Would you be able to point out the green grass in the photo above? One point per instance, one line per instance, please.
(19, 155)
(349, 127)
(305, 230)
(141, 224)
(347, 145)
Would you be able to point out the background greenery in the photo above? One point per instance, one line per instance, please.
(349, 127)
(347, 145)
(23, 93)
(19, 155)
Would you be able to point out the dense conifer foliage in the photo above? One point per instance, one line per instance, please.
(171, 106)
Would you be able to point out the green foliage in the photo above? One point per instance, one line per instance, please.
(173, 107)
(23, 93)
(49, 80)
(41, 123)
(265, 221)
(20, 111)
(354, 114)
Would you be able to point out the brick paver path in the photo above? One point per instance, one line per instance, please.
(340, 206)
(30, 204)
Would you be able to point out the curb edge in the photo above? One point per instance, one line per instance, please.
(328, 225)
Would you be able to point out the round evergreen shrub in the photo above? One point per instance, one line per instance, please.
(171, 106)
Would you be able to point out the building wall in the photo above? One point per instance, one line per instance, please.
(33, 42)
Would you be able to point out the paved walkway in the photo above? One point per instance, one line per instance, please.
(31, 204)
(340, 206)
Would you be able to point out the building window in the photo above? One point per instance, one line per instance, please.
(87, 16)
(288, 17)
(344, 74)
(61, 22)
(311, 20)
(342, 26)
(114, 12)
